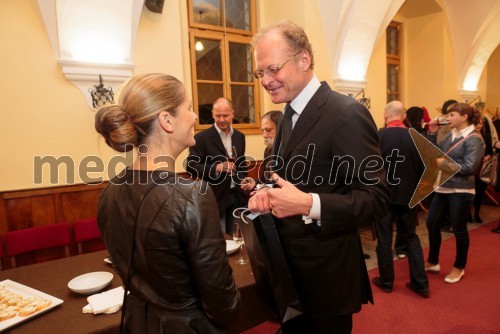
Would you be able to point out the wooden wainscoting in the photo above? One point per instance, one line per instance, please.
(37, 207)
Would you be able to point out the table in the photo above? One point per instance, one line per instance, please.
(52, 278)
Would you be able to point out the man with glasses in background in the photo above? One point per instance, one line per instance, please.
(317, 206)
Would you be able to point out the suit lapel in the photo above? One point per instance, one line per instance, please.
(218, 141)
(307, 118)
(277, 139)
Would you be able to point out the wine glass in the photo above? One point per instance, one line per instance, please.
(442, 120)
(231, 156)
(238, 238)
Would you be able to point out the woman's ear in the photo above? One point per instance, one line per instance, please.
(165, 121)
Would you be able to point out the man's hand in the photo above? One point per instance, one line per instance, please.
(259, 202)
(287, 200)
(225, 167)
(248, 184)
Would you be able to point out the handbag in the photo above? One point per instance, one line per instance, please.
(269, 264)
(488, 172)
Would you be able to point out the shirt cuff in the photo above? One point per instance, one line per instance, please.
(315, 212)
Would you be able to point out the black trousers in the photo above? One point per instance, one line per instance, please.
(406, 222)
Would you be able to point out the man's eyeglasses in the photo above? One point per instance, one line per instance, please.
(273, 69)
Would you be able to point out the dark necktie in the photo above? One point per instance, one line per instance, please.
(286, 126)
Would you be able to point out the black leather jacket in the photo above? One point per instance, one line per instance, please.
(181, 281)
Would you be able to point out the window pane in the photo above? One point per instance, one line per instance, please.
(207, 12)
(392, 97)
(208, 59)
(392, 78)
(238, 14)
(207, 94)
(392, 41)
(244, 109)
(240, 60)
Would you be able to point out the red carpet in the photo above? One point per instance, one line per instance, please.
(471, 306)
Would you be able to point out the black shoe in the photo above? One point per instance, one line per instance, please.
(478, 219)
(376, 281)
(422, 292)
(496, 230)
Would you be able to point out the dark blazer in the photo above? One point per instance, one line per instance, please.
(409, 171)
(207, 153)
(326, 262)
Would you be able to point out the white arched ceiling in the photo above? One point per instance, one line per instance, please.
(93, 37)
(475, 33)
(352, 28)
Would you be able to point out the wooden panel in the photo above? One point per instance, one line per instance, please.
(79, 205)
(43, 210)
(4, 222)
(30, 211)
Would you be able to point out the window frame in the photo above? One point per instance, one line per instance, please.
(224, 35)
(394, 59)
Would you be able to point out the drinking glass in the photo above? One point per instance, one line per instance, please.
(238, 238)
(231, 156)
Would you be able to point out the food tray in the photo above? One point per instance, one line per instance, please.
(26, 292)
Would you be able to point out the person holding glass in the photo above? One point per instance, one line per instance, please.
(162, 231)
(465, 147)
(219, 158)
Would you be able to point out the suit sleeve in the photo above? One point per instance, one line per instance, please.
(362, 194)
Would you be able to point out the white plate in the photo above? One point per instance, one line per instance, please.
(231, 247)
(26, 292)
(87, 284)
(107, 259)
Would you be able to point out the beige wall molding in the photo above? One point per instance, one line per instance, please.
(92, 38)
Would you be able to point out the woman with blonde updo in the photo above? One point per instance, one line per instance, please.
(162, 231)
(466, 148)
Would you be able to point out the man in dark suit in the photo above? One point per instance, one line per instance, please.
(219, 158)
(329, 180)
(403, 179)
